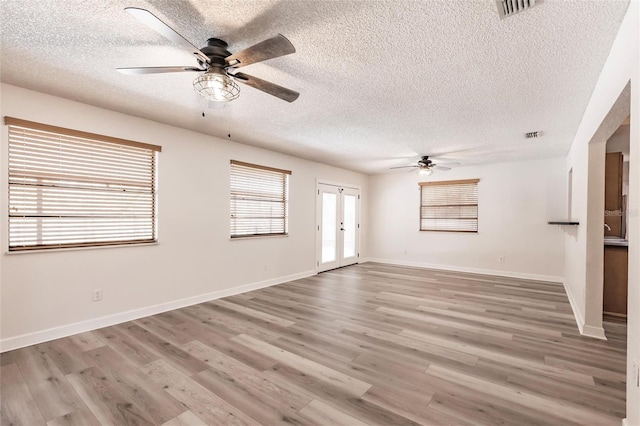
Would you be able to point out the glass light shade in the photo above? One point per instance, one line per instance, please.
(425, 171)
(215, 85)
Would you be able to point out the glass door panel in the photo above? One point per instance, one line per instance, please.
(349, 225)
(329, 222)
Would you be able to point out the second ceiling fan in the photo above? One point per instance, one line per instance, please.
(426, 166)
(216, 81)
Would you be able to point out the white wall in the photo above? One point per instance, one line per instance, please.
(516, 200)
(619, 142)
(633, 233)
(48, 294)
(620, 68)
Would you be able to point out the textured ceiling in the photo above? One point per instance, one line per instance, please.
(380, 82)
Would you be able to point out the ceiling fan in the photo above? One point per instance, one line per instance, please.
(426, 166)
(216, 64)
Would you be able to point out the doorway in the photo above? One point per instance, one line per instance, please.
(616, 191)
(338, 226)
(595, 181)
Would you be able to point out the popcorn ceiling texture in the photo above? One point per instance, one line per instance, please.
(381, 82)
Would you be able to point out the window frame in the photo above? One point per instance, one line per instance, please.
(233, 214)
(423, 185)
(60, 182)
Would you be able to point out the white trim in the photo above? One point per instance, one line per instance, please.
(585, 330)
(625, 422)
(338, 184)
(318, 243)
(574, 307)
(28, 339)
(595, 332)
(536, 277)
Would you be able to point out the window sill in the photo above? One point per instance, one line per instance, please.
(448, 230)
(257, 237)
(11, 253)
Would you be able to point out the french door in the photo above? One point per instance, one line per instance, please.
(338, 227)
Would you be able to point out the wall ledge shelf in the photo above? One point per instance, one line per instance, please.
(563, 222)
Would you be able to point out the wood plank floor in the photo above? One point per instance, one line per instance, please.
(369, 344)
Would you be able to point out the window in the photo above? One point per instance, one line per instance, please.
(449, 206)
(259, 200)
(75, 189)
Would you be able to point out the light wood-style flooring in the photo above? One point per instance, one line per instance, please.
(369, 344)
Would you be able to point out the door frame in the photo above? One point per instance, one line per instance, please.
(318, 240)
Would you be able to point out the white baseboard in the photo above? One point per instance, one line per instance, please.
(577, 313)
(34, 338)
(509, 274)
(585, 330)
(594, 332)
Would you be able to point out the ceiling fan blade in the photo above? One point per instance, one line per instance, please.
(153, 22)
(403, 167)
(267, 49)
(267, 87)
(155, 70)
(451, 164)
(439, 167)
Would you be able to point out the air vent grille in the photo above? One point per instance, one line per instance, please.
(531, 135)
(508, 8)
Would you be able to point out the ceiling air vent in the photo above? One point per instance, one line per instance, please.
(508, 8)
(532, 135)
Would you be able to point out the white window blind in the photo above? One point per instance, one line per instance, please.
(449, 206)
(73, 189)
(259, 200)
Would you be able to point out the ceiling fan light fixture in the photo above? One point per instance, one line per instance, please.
(216, 85)
(425, 171)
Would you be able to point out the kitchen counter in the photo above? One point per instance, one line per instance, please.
(615, 241)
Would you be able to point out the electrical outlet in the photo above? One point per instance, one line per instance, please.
(501, 259)
(265, 267)
(636, 372)
(97, 294)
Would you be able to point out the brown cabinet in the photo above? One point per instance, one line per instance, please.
(616, 269)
